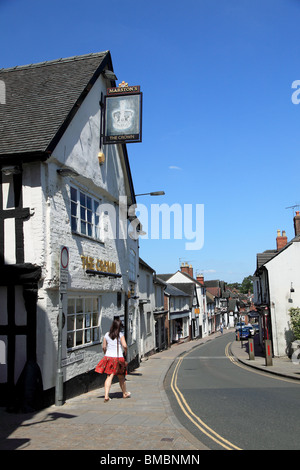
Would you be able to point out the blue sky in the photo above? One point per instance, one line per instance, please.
(219, 125)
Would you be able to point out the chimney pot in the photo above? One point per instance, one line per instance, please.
(187, 268)
(281, 240)
(297, 223)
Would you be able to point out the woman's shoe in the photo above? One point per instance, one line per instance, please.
(127, 395)
(106, 400)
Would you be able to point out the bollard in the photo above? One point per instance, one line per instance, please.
(268, 346)
(251, 349)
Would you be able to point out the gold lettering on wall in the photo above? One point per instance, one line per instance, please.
(95, 264)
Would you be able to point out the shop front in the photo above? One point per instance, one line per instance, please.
(179, 326)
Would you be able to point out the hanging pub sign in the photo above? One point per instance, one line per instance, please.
(123, 114)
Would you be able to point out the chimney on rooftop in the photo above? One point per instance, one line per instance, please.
(187, 268)
(200, 278)
(281, 240)
(297, 223)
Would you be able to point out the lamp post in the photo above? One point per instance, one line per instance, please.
(154, 193)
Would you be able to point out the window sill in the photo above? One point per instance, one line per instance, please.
(83, 346)
(81, 235)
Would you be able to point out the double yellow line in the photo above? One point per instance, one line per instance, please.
(193, 417)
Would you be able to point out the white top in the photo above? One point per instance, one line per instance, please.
(112, 349)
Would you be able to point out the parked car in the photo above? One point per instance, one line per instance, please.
(242, 332)
(239, 325)
(251, 329)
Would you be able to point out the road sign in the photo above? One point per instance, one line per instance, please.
(63, 278)
(64, 257)
(64, 265)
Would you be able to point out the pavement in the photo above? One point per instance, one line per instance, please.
(143, 422)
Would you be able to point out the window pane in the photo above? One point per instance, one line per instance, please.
(79, 337)
(82, 213)
(89, 203)
(96, 334)
(82, 199)
(89, 230)
(79, 322)
(73, 194)
(71, 306)
(70, 340)
(95, 319)
(73, 209)
(71, 322)
(79, 305)
(89, 216)
(74, 224)
(88, 304)
(97, 233)
(83, 228)
(87, 320)
(88, 337)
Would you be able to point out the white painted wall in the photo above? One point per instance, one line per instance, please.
(179, 277)
(48, 195)
(146, 293)
(283, 270)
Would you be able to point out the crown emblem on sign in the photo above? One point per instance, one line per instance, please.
(123, 84)
(122, 117)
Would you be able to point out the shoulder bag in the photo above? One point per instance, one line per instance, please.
(121, 365)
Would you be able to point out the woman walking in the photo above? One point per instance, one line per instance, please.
(114, 348)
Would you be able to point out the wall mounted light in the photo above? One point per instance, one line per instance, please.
(109, 75)
(101, 158)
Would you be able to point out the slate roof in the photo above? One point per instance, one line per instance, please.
(164, 277)
(210, 298)
(263, 258)
(42, 98)
(174, 292)
(186, 287)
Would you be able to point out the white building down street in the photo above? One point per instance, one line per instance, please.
(276, 289)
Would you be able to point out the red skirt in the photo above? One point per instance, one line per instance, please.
(108, 365)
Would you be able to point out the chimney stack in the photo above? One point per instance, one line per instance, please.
(281, 240)
(187, 268)
(200, 279)
(297, 223)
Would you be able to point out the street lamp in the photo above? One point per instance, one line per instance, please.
(154, 193)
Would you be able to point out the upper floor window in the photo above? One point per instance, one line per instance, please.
(85, 215)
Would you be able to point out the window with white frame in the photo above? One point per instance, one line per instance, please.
(83, 321)
(85, 214)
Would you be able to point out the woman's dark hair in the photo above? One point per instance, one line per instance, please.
(115, 328)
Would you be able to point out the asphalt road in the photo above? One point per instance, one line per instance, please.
(228, 406)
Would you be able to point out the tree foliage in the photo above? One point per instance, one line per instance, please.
(247, 285)
(295, 321)
(244, 287)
